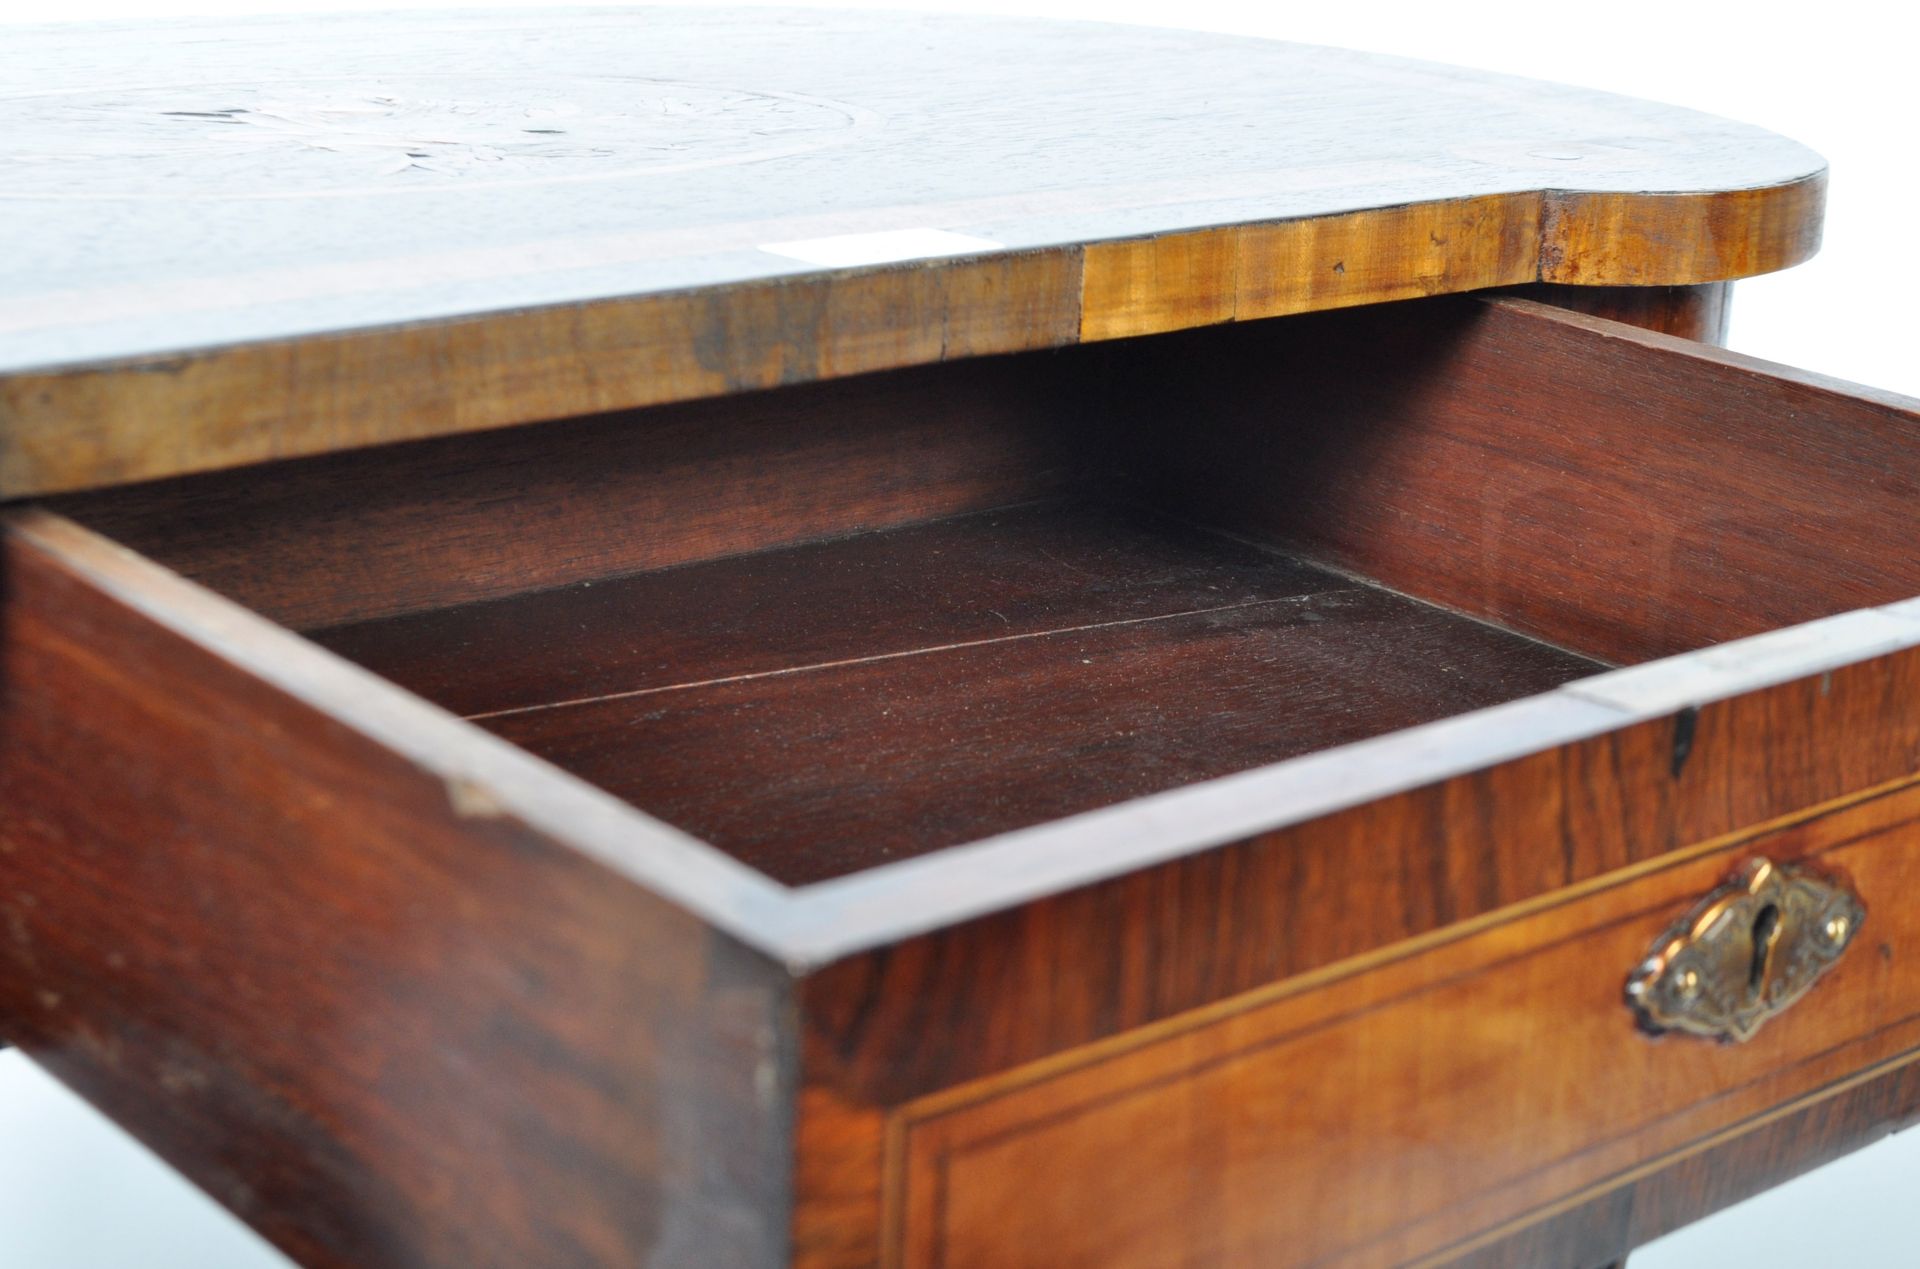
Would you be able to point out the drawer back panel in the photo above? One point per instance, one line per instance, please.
(433, 524)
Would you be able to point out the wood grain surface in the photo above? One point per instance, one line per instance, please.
(1380, 1113)
(278, 248)
(375, 985)
(1621, 492)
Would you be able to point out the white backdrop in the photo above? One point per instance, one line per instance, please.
(74, 1194)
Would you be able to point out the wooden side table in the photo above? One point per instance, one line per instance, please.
(681, 637)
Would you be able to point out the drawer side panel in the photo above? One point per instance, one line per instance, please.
(376, 1013)
(1615, 491)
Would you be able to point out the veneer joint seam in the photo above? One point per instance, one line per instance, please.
(904, 653)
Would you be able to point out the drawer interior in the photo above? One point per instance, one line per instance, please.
(821, 708)
(836, 625)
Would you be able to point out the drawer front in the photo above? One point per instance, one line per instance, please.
(1416, 1103)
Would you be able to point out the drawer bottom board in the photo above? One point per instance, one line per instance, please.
(821, 709)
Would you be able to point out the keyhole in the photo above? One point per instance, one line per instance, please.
(1766, 931)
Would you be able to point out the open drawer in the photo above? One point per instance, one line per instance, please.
(1230, 775)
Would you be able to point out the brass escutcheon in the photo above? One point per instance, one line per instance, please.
(1745, 952)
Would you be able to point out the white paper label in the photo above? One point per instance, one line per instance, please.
(885, 247)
